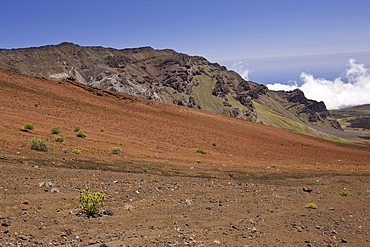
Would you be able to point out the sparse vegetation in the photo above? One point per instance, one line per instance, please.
(144, 169)
(36, 104)
(198, 161)
(273, 165)
(28, 126)
(102, 129)
(91, 202)
(76, 128)
(115, 150)
(214, 144)
(311, 205)
(46, 184)
(65, 150)
(39, 145)
(55, 129)
(55, 190)
(201, 151)
(345, 193)
(128, 207)
(76, 151)
(80, 133)
(59, 138)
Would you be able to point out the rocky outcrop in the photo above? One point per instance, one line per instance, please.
(161, 75)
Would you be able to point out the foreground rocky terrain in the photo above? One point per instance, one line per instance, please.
(249, 189)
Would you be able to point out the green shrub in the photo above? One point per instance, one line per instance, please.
(144, 169)
(36, 104)
(273, 166)
(76, 128)
(201, 151)
(29, 126)
(311, 205)
(91, 202)
(76, 151)
(59, 138)
(214, 144)
(39, 145)
(102, 129)
(55, 129)
(115, 150)
(80, 134)
(345, 193)
(198, 161)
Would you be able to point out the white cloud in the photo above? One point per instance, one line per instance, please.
(337, 93)
(241, 70)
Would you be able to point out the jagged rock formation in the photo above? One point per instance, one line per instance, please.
(165, 75)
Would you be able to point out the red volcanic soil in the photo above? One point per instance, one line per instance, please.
(247, 190)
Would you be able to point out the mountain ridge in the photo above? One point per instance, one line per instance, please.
(168, 76)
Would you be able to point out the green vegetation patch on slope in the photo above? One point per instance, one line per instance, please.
(203, 95)
(273, 118)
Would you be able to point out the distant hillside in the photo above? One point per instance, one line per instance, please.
(168, 76)
(354, 117)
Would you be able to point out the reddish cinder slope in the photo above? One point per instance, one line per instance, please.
(155, 134)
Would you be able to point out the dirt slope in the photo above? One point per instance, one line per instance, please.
(172, 77)
(246, 191)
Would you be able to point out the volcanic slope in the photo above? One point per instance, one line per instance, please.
(172, 77)
(160, 136)
(245, 191)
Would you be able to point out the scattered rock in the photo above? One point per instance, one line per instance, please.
(22, 237)
(6, 223)
(108, 212)
(307, 189)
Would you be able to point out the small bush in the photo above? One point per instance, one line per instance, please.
(198, 161)
(29, 126)
(65, 150)
(55, 129)
(115, 150)
(76, 128)
(59, 138)
(214, 144)
(76, 151)
(46, 184)
(36, 104)
(128, 207)
(201, 151)
(39, 145)
(91, 202)
(345, 193)
(311, 205)
(102, 129)
(80, 134)
(144, 169)
(273, 166)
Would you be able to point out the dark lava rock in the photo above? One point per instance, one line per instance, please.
(6, 223)
(308, 189)
(108, 212)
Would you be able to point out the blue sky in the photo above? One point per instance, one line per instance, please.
(272, 40)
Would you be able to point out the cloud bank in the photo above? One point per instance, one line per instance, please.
(239, 68)
(337, 93)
